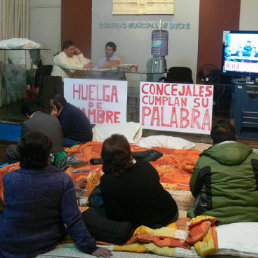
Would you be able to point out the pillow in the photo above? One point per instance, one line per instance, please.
(14, 43)
(165, 141)
(238, 239)
(132, 131)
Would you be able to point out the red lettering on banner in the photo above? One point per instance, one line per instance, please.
(91, 92)
(195, 94)
(165, 89)
(105, 97)
(188, 91)
(182, 92)
(143, 99)
(206, 120)
(98, 98)
(91, 104)
(92, 113)
(173, 119)
(162, 117)
(100, 116)
(114, 94)
(99, 105)
(174, 89)
(103, 116)
(195, 115)
(76, 91)
(145, 92)
(164, 100)
(159, 89)
(146, 111)
(184, 118)
(176, 102)
(196, 102)
(116, 117)
(84, 97)
(201, 90)
(110, 116)
(208, 91)
(184, 102)
(155, 116)
(152, 88)
(205, 104)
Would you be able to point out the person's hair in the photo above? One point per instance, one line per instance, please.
(222, 131)
(59, 99)
(116, 155)
(67, 44)
(29, 107)
(34, 149)
(111, 44)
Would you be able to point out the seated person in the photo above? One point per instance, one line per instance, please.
(71, 59)
(109, 60)
(131, 190)
(247, 49)
(75, 124)
(37, 121)
(40, 205)
(225, 179)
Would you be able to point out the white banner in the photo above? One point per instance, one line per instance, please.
(103, 101)
(176, 107)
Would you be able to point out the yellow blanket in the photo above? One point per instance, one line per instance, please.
(172, 240)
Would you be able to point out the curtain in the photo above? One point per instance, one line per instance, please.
(15, 19)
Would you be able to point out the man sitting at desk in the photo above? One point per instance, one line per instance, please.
(109, 60)
(69, 60)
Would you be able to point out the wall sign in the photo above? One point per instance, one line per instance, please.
(145, 25)
(103, 101)
(143, 7)
(175, 107)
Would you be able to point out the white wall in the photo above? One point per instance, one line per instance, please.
(45, 27)
(134, 45)
(248, 15)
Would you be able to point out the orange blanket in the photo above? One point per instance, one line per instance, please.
(174, 167)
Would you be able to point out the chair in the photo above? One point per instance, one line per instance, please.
(179, 74)
(52, 85)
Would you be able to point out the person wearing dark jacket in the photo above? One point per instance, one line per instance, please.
(131, 190)
(75, 124)
(225, 179)
(40, 205)
(37, 121)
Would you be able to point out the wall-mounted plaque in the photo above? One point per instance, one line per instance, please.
(143, 6)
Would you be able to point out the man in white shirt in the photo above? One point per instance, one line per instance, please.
(109, 60)
(70, 60)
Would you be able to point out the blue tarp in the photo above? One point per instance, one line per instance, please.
(10, 132)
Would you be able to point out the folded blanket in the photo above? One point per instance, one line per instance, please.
(170, 240)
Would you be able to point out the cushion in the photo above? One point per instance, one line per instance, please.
(238, 239)
(165, 141)
(18, 43)
(132, 131)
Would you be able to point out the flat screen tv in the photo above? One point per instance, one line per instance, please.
(240, 53)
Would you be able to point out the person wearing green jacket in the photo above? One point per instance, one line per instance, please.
(225, 179)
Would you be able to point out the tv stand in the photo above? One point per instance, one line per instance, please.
(245, 80)
(245, 108)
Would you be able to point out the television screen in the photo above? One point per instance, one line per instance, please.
(240, 53)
